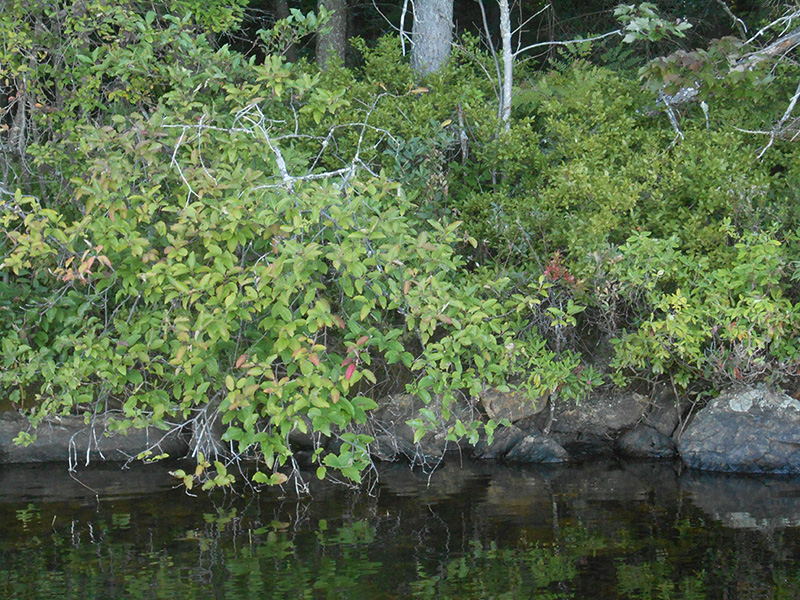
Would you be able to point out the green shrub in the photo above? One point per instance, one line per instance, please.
(212, 268)
(591, 158)
(704, 324)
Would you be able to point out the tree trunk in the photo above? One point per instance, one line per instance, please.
(508, 64)
(331, 41)
(432, 35)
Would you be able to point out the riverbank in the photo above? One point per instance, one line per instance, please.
(751, 429)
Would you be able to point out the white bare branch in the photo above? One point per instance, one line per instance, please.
(779, 128)
(568, 42)
(529, 19)
(738, 23)
(785, 21)
(489, 43)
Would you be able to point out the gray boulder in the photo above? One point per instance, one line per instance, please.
(591, 427)
(665, 410)
(389, 448)
(537, 448)
(514, 405)
(505, 438)
(394, 437)
(60, 439)
(517, 445)
(645, 442)
(753, 429)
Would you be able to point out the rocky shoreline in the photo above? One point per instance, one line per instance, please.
(752, 429)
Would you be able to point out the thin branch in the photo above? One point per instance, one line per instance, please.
(483, 68)
(490, 43)
(173, 161)
(568, 42)
(785, 19)
(529, 19)
(311, 177)
(781, 46)
(402, 28)
(777, 130)
(737, 22)
(403, 33)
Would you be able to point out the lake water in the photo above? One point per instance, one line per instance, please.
(471, 530)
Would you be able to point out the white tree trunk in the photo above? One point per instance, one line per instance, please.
(432, 35)
(508, 64)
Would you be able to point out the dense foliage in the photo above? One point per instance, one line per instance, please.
(244, 247)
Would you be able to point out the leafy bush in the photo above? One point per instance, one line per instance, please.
(700, 323)
(224, 259)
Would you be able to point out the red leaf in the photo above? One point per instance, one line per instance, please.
(350, 370)
(362, 340)
(314, 359)
(241, 360)
(445, 319)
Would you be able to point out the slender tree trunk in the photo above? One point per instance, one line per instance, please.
(331, 42)
(508, 64)
(432, 35)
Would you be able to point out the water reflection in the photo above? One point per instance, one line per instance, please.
(603, 530)
(746, 502)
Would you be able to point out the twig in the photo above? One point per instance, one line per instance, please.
(489, 43)
(403, 34)
(777, 129)
(173, 161)
(568, 42)
(94, 491)
(738, 23)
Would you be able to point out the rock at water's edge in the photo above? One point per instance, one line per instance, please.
(644, 441)
(514, 405)
(505, 438)
(591, 427)
(394, 437)
(754, 430)
(59, 438)
(537, 448)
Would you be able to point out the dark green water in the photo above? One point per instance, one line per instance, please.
(605, 530)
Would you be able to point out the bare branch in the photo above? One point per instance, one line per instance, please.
(780, 47)
(779, 128)
(786, 20)
(529, 19)
(737, 22)
(173, 161)
(401, 30)
(568, 42)
(494, 82)
(489, 41)
(403, 34)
